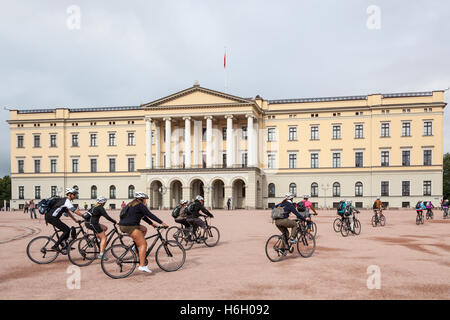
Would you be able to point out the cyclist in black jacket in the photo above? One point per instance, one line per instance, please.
(193, 214)
(92, 222)
(131, 224)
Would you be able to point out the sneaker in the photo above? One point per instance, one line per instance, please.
(102, 257)
(146, 269)
(292, 241)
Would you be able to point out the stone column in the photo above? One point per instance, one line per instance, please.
(256, 147)
(158, 144)
(148, 142)
(196, 141)
(250, 141)
(216, 136)
(230, 155)
(187, 193)
(208, 141)
(187, 141)
(168, 143)
(176, 146)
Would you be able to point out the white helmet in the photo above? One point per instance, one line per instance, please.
(378, 198)
(183, 202)
(71, 190)
(289, 196)
(101, 200)
(140, 195)
(349, 202)
(199, 198)
(306, 196)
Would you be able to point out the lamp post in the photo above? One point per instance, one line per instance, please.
(325, 189)
(162, 190)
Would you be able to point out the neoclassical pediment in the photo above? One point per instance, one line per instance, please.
(196, 95)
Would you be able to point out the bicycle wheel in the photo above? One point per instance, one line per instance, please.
(123, 265)
(382, 221)
(171, 231)
(185, 238)
(212, 236)
(374, 221)
(418, 220)
(40, 251)
(274, 248)
(306, 245)
(313, 229)
(422, 220)
(170, 256)
(337, 224)
(357, 226)
(345, 229)
(83, 251)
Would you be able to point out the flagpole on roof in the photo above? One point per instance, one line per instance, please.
(225, 68)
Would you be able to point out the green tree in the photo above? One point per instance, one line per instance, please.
(446, 177)
(5, 189)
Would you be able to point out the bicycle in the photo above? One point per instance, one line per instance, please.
(445, 213)
(378, 218)
(337, 224)
(306, 244)
(419, 218)
(89, 246)
(346, 228)
(429, 215)
(170, 256)
(188, 236)
(313, 225)
(40, 250)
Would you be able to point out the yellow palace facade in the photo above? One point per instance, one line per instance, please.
(249, 150)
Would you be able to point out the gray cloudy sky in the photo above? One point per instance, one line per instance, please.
(131, 52)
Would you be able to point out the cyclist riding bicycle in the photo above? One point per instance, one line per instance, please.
(341, 208)
(445, 204)
(180, 215)
(429, 206)
(378, 206)
(53, 216)
(350, 214)
(92, 218)
(420, 207)
(309, 206)
(193, 215)
(130, 224)
(284, 223)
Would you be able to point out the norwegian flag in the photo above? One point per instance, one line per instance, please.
(225, 60)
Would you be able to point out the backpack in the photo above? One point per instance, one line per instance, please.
(418, 206)
(190, 208)
(374, 205)
(124, 212)
(277, 213)
(341, 205)
(45, 205)
(176, 212)
(88, 214)
(301, 207)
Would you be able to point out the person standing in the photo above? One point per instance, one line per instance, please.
(85, 205)
(123, 205)
(32, 209)
(25, 207)
(229, 203)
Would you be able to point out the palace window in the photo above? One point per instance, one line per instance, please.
(112, 165)
(385, 158)
(314, 160)
(112, 139)
(93, 165)
(406, 158)
(20, 165)
(384, 188)
(359, 131)
(293, 189)
(314, 132)
(385, 130)
(359, 159)
(314, 190)
(358, 189)
(337, 132)
(130, 192)
(37, 141)
(406, 129)
(131, 164)
(427, 188)
(336, 159)
(93, 192)
(75, 140)
(37, 166)
(427, 128)
(271, 134)
(53, 140)
(131, 141)
(53, 165)
(292, 133)
(336, 189)
(37, 192)
(21, 192)
(20, 141)
(112, 192)
(427, 157)
(93, 139)
(271, 161)
(75, 165)
(406, 188)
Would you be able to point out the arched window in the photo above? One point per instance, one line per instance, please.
(93, 192)
(293, 189)
(314, 189)
(130, 192)
(112, 192)
(358, 189)
(336, 189)
(271, 190)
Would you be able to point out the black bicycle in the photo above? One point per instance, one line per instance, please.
(83, 251)
(429, 214)
(188, 236)
(346, 226)
(313, 225)
(337, 224)
(40, 250)
(445, 213)
(378, 219)
(276, 249)
(121, 260)
(419, 218)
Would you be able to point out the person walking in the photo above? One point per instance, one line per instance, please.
(123, 205)
(25, 207)
(229, 203)
(32, 209)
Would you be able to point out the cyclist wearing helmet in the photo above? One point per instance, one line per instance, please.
(350, 214)
(378, 206)
(193, 214)
(179, 213)
(92, 222)
(309, 206)
(420, 206)
(284, 223)
(53, 216)
(130, 223)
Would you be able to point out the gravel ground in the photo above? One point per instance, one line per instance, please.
(414, 262)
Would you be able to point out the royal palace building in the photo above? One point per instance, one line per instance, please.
(201, 141)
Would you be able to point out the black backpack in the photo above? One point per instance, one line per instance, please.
(301, 207)
(190, 208)
(45, 205)
(124, 212)
(341, 205)
(374, 205)
(418, 206)
(176, 212)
